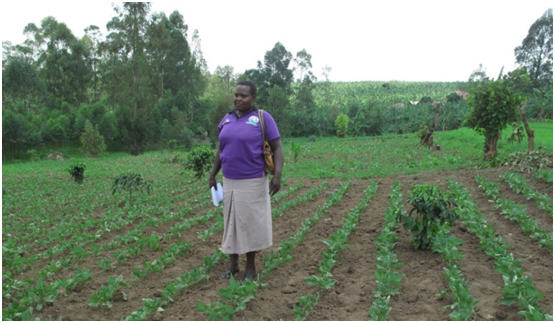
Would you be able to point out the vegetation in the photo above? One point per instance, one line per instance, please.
(53, 229)
(430, 210)
(200, 160)
(144, 88)
(77, 171)
(130, 182)
(126, 86)
(92, 141)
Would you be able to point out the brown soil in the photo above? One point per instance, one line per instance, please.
(352, 295)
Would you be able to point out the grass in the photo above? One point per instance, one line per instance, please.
(353, 157)
(367, 157)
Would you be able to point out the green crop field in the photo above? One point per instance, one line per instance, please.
(79, 252)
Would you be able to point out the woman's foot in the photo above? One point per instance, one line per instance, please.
(249, 275)
(229, 272)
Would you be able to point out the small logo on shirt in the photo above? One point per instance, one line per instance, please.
(253, 121)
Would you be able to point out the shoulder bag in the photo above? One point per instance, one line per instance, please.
(266, 148)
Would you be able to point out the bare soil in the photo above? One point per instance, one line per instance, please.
(352, 295)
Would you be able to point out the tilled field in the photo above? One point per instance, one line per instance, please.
(352, 295)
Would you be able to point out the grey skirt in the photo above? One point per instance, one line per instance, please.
(247, 215)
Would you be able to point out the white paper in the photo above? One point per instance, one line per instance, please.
(217, 195)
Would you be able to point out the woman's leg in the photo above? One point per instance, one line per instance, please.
(234, 262)
(250, 269)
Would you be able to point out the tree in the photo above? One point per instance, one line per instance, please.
(304, 63)
(92, 142)
(21, 84)
(92, 40)
(478, 75)
(63, 61)
(536, 51)
(342, 125)
(493, 106)
(274, 72)
(128, 83)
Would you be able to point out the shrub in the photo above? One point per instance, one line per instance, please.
(171, 144)
(77, 171)
(530, 161)
(341, 125)
(92, 142)
(200, 160)
(430, 210)
(33, 155)
(130, 182)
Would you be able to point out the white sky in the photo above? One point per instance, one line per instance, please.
(405, 40)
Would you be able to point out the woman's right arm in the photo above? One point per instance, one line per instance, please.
(215, 169)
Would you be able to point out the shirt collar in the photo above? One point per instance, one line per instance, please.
(234, 111)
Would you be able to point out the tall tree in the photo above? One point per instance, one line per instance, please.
(304, 63)
(93, 40)
(21, 85)
(62, 60)
(493, 106)
(197, 52)
(274, 72)
(536, 51)
(478, 75)
(128, 82)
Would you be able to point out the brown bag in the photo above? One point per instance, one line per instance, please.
(266, 148)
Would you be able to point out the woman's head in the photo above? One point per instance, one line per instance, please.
(250, 85)
(245, 94)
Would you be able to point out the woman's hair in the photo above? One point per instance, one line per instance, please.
(250, 85)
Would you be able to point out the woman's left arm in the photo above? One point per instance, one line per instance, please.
(275, 183)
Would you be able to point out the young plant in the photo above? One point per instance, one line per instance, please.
(130, 182)
(430, 209)
(200, 160)
(296, 149)
(106, 293)
(77, 171)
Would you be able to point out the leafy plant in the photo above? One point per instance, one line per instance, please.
(530, 161)
(77, 171)
(341, 125)
(171, 144)
(92, 141)
(33, 155)
(200, 160)
(430, 209)
(296, 149)
(105, 294)
(130, 182)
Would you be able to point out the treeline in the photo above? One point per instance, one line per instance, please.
(146, 84)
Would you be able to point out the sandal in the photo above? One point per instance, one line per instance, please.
(228, 273)
(250, 276)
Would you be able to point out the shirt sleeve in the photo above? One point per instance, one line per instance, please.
(272, 131)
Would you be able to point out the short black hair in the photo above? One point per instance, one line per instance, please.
(250, 85)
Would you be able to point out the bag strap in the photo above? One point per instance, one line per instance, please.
(261, 118)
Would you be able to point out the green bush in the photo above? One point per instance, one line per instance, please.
(92, 142)
(341, 125)
(130, 182)
(430, 210)
(77, 171)
(200, 160)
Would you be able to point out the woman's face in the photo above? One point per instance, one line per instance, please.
(243, 99)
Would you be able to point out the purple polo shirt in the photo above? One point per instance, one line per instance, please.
(241, 144)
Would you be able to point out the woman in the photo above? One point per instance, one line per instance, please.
(247, 189)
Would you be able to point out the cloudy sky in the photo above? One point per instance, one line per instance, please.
(405, 40)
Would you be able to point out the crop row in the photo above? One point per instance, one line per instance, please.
(518, 289)
(515, 212)
(28, 296)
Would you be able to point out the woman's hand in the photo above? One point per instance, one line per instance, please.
(212, 182)
(275, 185)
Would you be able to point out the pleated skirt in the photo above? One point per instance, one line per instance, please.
(247, 215)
